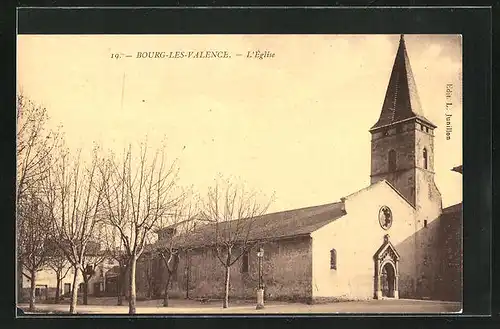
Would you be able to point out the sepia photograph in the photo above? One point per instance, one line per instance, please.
(239, 174)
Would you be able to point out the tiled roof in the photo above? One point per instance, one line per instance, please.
(401, 99)
(270, 226)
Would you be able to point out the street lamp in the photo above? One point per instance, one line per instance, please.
(260, 290)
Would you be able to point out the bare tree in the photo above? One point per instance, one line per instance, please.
(232, 210)
(35, 144)
(93, 257)
(59, 264)
(116, 252)
(32, 240)
(180, 223)
(138, 193)
(73, 194)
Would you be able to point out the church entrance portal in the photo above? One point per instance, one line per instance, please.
(388, 280)
(386, 261)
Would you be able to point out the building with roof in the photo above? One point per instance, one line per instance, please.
(101, 283)
(391, 239)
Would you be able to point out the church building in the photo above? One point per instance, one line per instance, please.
(391, 239)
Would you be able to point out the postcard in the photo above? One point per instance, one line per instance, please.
(254, 174)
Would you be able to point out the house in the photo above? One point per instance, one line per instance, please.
(102, 281)
(391, 239)
(45, 284)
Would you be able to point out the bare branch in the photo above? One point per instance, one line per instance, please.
(137, 194)
(231, 210)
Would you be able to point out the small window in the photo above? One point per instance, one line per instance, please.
(333, 259)
(425, 222)
(67, 288)
(426, 129)
(425, 158)
(170, 231)
(244, 263)
(392, 160)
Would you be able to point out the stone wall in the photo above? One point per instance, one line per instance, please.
(408, 140)
(419, 260)
(401, 139)
(429, 209)
(422, 257)
(449, 279)
(286, 273)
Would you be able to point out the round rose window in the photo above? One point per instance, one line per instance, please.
(385, 217)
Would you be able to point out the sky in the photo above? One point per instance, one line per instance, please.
(295, 124)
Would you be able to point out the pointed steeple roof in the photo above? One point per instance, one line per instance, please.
(401, 99)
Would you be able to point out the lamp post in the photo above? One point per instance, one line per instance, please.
(260, 290)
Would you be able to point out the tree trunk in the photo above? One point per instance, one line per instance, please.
(58, 288)
(20, 280)
(226, 290)
(132, 292)
(32, 290)
(126, 284)
(188, 272)
(119, 288)
(165, 295)
(85, 289)
(74, 293)
(150, 286)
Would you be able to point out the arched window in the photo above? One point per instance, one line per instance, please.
(425, 158)
(392, 160)
(333, 259)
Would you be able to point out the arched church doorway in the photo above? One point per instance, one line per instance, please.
(388, 280)
(386, 276)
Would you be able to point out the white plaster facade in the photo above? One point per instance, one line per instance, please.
(46, 278)
(356, 237)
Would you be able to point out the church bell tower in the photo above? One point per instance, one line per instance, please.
(402, 144)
